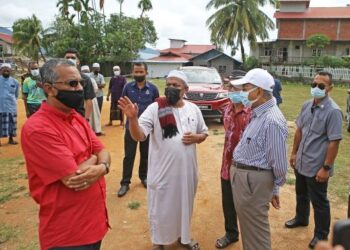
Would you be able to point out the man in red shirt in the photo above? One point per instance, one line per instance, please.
(66, 164)
(236, 118)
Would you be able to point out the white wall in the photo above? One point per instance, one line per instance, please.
(161, 69)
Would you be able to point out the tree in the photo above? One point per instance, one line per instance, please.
(120, 7)
(318, 41)
(144, 5)
(27, 37)
(237, 21)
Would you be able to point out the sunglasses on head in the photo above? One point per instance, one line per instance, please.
(72, 83)
(319, 85)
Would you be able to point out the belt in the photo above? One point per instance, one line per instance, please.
(247, 167)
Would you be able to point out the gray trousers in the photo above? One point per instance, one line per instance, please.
(252, 193)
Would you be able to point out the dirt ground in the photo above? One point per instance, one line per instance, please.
(130, 227)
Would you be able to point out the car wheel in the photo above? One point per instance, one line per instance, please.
(221, 120)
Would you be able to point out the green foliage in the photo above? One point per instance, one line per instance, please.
(251, 63)
(27, 37)
(238, 21)
(133, 205)
(318, 41)
(327, 61)
(144, 5)
(6, 233)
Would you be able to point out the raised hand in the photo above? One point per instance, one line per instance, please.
(129, 109)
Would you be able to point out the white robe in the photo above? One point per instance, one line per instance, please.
(172, 174)
(95, 118)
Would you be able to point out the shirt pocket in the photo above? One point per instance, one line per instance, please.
(318, 126)
(12, 89)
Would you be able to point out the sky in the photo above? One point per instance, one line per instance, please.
(180, 19)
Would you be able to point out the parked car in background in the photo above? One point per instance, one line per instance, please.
(206, 90)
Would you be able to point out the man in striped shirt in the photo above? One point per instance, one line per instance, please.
(259, 160)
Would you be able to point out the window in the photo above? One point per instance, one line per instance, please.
(297, 47)
(347, 51)
(267, 52)
(222, 68)
(316, 52)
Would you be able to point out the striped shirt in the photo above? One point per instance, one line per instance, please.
(264, 142)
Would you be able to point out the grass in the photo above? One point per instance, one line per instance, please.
(10, 174)
(7, 233)
(133, 205)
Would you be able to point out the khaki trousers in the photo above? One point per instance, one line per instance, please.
(252, 193)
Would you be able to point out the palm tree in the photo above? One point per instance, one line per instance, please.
(120, 7)
(237, 21)
(27, 37)
(144, 5)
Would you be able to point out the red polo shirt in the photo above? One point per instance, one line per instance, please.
(54, 144)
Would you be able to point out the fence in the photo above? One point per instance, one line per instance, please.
(340, 74)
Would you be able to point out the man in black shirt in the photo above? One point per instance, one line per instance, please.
(89, 94)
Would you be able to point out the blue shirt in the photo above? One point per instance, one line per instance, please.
(143, 97)
(319, 124)
(8, 95)
(264, 142)
(277, 91)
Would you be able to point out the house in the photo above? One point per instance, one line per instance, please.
(180, 54)
(296, 22)
(6, 42)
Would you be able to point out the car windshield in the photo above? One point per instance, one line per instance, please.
(202, 76)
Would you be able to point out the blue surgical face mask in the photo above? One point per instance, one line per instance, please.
(318, 93)
(244, 97)
(235, 97)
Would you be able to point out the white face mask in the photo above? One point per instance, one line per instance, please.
(116, 72)
(34, 72)
(73, 61)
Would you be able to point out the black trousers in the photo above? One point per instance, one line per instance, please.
(228, 207)
(128, 163)
(32, 108)
(100, 102)
(308, 189)
(95, 246)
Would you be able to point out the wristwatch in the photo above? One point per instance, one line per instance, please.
(106, 165)
(327, 167)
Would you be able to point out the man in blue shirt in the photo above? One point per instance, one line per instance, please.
(277, 91)
(143, 93)
(8, 103)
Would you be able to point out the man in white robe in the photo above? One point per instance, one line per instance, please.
(175, 127)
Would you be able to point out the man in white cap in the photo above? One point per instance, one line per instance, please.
(100, 80)
(8, 103)
(95, 118)
(175, 127)
(260, 163)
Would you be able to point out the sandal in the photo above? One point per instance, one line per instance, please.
(193, 245)
(157, 247)
(223, 242)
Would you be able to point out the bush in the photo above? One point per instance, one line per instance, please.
(327, 61)
(251, 63)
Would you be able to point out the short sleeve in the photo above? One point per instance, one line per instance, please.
(48, 157)
(147, 118)
(334, 125)
(96, 144)
(299, 118)
(25, 88)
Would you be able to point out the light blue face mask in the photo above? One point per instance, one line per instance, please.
(235, 97)
(244, 97)
(318, 93)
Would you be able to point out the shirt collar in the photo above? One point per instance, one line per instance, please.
(134, 84)
(258, 111)
(53, 111)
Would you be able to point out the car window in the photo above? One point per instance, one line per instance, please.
(202, 76)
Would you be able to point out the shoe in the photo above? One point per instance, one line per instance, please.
(100, 134)
(314, 241)
(12, 142)
(225, 241)
(144, 183)
(293, 223)
(123, 190)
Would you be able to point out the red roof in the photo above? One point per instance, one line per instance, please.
(316, 13)
(191, 49)
(169, 59)
(6, 38)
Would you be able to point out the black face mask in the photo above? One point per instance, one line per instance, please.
(71, 99)
(140, 78)
(96, 72)
(5, 75)
(172, 95)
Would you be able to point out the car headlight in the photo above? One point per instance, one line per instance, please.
(223, 95)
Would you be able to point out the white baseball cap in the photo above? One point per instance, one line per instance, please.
(85, 67)
(258, 77)
(96, 65)
(178, 74)
(5, 65)
(116, 68)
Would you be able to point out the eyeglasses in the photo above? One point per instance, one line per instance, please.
(319, 85)
(72, 83)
